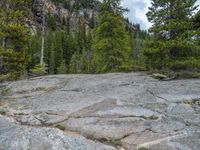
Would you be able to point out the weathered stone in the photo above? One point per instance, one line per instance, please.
(128, 111)
(39, 119)
(182, 141)
(180, 109)
(133, 141)
(159, 76)
(106, 128)
(15, 137)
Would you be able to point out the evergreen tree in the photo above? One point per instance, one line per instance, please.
(69, 48)
(14, 36)
(85, 60)
(111, 45)
(34, 51)
(58, 49)
(170, 46)
(196, 27)
(81, 46)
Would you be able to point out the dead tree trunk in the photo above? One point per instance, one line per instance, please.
(42, 45)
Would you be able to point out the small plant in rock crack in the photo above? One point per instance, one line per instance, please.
(4, 91)
(2, 112)
(142, 148)
(61, 127)
(192, 102)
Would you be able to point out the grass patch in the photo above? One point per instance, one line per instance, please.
(153, 117)
(4, 91)
(2, 112)
(115, 142)
(61, 127)
(187, 74)
(192, 102)
(142, 148)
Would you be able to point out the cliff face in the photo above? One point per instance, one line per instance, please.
(67, 10)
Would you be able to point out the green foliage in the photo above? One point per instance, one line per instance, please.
(110, 45)
(171, 18)
(171, 46)
(12, 63)
(62, 69)
(75, 63)
(12, 25)
(99, 44)
(59, 50)
(51, 21)
(132, 65)
(38, 71)
(196, 28)
(191, 63)
(185, 74)
(173, 54)
(61, 127)
(15, 36)
(34, 51)
(86, 62)
(4, 91)
(107, 48)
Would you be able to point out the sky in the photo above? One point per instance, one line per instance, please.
(137, 11)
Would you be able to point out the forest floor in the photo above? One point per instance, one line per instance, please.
(123, 111)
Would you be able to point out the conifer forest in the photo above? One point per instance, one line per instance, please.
(90, 37)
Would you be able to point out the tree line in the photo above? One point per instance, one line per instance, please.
(108, 43)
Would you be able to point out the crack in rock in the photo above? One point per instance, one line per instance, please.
(152, 93)
(148, 144)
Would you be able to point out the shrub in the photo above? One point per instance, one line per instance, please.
(38, 71)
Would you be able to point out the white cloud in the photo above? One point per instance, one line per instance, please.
(138, 10)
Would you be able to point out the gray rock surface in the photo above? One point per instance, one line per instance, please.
(100, 112)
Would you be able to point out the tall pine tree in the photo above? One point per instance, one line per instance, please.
(171, 46)
(14, 36)
(111, 45)
(196, 27)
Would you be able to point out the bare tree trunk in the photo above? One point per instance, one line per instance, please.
(4, 45)
(1, 63)
(42, 46)
(5, 7)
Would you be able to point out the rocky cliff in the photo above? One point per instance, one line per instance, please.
(70, 10)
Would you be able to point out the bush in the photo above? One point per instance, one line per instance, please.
(174, 55)
(62, 69)
(190, 64)
(187, 74)
(4, 77)
(38, 71)
(130, 66)
(4, 91)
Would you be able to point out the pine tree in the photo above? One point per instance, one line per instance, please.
(69, 47)
(171, 46)
(34, 51)
(196, 27)
(14, 36)
(111, 45)
(58, 49)
(81, 46)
